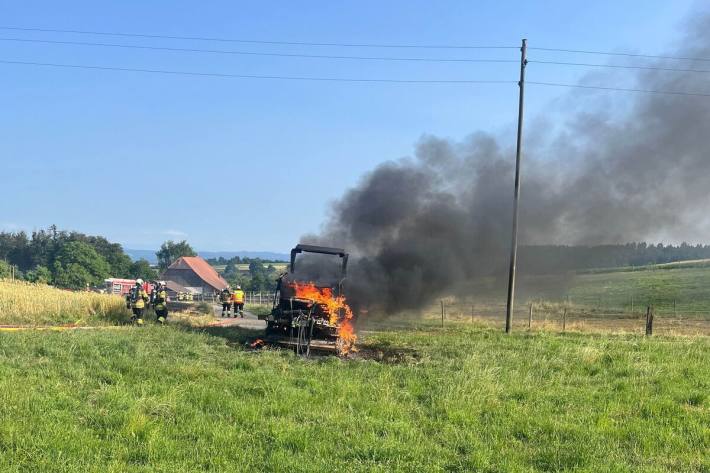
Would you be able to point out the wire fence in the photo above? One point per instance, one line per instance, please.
(667, 318)
(582, 314)
(250, 298)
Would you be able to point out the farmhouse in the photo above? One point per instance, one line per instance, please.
(195, 275)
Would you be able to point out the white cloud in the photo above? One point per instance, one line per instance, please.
(174, 233)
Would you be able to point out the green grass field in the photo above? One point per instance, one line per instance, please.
(464, 398)
(686, 287)
(689, 287)
(244, 267)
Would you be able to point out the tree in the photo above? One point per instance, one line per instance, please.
(141, 269)
(118, 261)
(39, 274)
(43, 246)
(170, 251)
(256, 267)
(14, 248)
(5, 269)
(77, 265)
(230, 270)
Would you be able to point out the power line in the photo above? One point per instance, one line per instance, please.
(621, 89)
(620, 66)
(366, 58)
(344, 79)
(254, 41)
(609, 53)
(356, 45)
(252, 76)
(252, 53)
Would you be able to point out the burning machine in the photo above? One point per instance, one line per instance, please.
(310, 304)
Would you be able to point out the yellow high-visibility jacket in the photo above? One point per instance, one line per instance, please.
(238, 296)
(141, 299)
(161, 299)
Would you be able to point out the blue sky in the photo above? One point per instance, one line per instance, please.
(246, 164)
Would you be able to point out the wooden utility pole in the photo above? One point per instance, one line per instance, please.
(516, 197)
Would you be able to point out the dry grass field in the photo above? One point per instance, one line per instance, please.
(23, 303)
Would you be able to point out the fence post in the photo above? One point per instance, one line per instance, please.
(472, 312)
(675, 313)
(530, 316)
(564, 320)
(649, 321)
(632, 303)
(442, 312)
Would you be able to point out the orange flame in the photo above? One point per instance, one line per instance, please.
(337, 308)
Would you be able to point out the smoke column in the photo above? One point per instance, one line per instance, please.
(420, 226)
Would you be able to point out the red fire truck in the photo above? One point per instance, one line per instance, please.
(123, 286)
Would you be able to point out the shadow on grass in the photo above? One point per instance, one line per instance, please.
(233, 335)
(379, 350)
(386, 353)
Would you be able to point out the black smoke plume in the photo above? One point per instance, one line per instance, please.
(422, 226)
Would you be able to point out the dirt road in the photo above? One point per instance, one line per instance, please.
(249, 321)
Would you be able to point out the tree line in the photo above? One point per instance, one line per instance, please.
(555, 258)
(67, 259)
(222, 261)
(75, 260)
(261, 276)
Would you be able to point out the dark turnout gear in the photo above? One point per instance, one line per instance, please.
(226, 298)
(160, 304)
(137, 300)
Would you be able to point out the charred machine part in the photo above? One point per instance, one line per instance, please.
(306, 305)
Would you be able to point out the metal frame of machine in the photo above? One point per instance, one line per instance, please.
(302, 320)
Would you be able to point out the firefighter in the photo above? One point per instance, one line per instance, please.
(160, 303)
(238, 299)
(138, 298)
(153, 292)
(226, 298)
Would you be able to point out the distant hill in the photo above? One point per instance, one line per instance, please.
(269, 255)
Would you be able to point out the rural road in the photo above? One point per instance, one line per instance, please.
(249, 321)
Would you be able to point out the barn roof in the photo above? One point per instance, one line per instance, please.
(202, 268)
